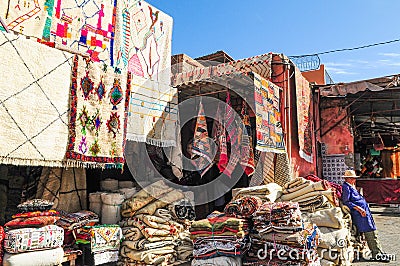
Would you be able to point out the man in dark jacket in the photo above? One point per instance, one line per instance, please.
(361, 215)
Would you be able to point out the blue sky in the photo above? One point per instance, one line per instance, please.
(253, 27)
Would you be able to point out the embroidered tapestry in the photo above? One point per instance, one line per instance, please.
(303, 98)
(29, 17)
(34, 102)
(85, 26)
(143, 41)
(98, 120)
(268, 116)
(153, 113)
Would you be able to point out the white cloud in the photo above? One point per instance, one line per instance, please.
(390, 54)
(338, 70)
(333, 64)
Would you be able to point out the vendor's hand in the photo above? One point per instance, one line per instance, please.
(361, 211)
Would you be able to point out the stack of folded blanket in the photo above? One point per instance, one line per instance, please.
(73, 225)
(243, 207)
(32, 238)
(279, 237)
(269, 192)
(155, 227)
(310, 195)
(104, 243)
(334, 224)
(219, 236)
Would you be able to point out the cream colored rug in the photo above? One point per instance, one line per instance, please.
(34, 95)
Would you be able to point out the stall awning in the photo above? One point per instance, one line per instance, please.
(260, 64)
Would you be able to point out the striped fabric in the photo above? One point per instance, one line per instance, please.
(219, 137)
(201, 144)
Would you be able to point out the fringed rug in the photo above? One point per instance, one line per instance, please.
(143, 41)
(34, 99)
(153, 113)
(30, 18)
(268, 115)
(85, 26)
(98, 120)
(303, 95)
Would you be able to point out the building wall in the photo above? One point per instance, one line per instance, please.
(316, 76)
(282, 76)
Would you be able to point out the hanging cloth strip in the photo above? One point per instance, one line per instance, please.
(219, 137)
(201, 143)
(233, 137)
(247, 158)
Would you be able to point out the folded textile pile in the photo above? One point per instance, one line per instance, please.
(219, 236)
(269, 192)
(33, 231)
(155, 227)
(281, 238)
(310, 195)
(243, 207)
(319, 203)
(104, 242)
(74, 223)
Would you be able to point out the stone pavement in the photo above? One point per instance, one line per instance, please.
(387, 221)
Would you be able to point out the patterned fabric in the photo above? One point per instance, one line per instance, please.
(201, 144)
(105, 237)
(233, 137)
(219, 136)
(303, 99)
(31, 222)
(30, 239)
(2, 236)
(99, 102)
(246, 145)
(243, 207)
(143, 41)
(33, 89)
(268, 116)
(87, 27)
(105, 257)
(36, 213)
(30, 18)
(153, 113)
(282, 169)
(35, 205)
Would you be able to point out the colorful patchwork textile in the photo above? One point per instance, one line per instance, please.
(85, 26)
(99, 102)
(105, 237)
(31, 17)
(268, 116)
(303, 99)
(153, 113)
(30, 239)
(32, 222)
(201, 144)
(36, 214)
(34, 81)
(143, 41)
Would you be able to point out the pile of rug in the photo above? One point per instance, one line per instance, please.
(219, 236)
(335, 225)
(280, 236)
(32, 238)
(155, 224)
